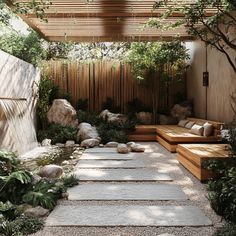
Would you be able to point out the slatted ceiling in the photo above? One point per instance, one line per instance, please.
(102, 20)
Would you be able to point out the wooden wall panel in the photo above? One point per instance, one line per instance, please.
(97, 80)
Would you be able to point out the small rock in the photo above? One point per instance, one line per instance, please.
(101, 145)
(65, 163)
(89, 143)
(60, 145)
(46, 142)
(36, 212)
(76, 145)
(23, 207)
(129, 144)
(65, 195)
(70, 143)
(137, 148)
(71, 157)
(36, 179)
(122, 148)
(76, 153)
(111, 145)
(51, 171)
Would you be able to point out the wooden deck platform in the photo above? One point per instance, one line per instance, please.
(192, 156)
(144, 133)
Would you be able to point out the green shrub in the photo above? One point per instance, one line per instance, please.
(82, 104)
(20, 226)
(57, 133)
(91, 118)
(136, 105)
(226, 230)
(70, 181)
(109, 104)
(8, 162)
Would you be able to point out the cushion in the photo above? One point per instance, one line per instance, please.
(182, 123)
(189, 125)
(197, 129)
(208, 129)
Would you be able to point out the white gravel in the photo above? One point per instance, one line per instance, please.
(195, 190)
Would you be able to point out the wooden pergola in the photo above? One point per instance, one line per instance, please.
(101, 20)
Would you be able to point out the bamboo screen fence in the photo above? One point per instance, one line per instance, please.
(97, 80)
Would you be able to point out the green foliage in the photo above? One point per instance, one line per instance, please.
(20, 226)
(136, 105)
(59, 50)
(70, 181)
(82, 104)
(149, 57)
(8, 210)
(226, 230)
(28, 48)
(217, 30)
(91, 118)
(46, 93)
(109, 104)
(57, 133)
(8, 162)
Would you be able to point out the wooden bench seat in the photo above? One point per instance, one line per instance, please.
(192, 156)
(171, 135)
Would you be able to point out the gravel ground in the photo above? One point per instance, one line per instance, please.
(167, 163)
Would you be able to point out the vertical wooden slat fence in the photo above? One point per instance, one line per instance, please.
(97, 80)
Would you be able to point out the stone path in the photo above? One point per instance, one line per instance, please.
(107, 177)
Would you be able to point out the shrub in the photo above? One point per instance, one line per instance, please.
(109, 104)
(57, 133)
(91, 118)
(82, 104)
(226, 230)
(136, 105)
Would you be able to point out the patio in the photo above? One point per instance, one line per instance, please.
(117, 117)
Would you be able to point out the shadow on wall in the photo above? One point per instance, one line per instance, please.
(17, 117)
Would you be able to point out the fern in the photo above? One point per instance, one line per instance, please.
(8, 209)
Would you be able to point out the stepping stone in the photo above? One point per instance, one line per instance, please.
(127, 191)
(101, 150)
(123, 215)
(121, 175)
(106, 156)
(110, 164)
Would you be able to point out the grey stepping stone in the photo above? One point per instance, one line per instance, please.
(106, 156)
(127, 191)
(121, 175)
(101, 150)
(110, 164)
(123, 215)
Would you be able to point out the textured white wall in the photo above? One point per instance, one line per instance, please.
(18, 79)
(222, 83)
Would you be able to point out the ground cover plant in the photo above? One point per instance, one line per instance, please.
(18, 186)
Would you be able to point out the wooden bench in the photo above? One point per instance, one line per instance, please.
(170, 136)
(192, 156)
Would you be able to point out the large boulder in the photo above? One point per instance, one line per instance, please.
(62, 112)
(90, 143)
(145, 117)
(51, 171)
(115, 118)
(181, 111)
(86, 131)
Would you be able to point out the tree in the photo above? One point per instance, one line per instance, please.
(217, 30)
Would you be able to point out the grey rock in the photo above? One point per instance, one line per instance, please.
(181, 112)
(145, 117)
(129, 144)
(36, 179)
(86, 131)
(65, 163)
(36, 212)
(122, 148)
(51, 171)
(137, 148)
(111, 145)
(115, 118)
(46, 142)
(60, 145)
(89, 143)
(63, 113)
(70, 143)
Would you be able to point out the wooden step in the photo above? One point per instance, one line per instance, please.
(142, 137)
(145, 129)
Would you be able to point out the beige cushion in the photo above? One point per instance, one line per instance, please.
(208, 129)
(182, 123)
(197, 129)
(189, 125)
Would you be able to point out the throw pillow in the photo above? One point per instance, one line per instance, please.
(189, 125)
(197, 129)
(182, 123)
(208, 129)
